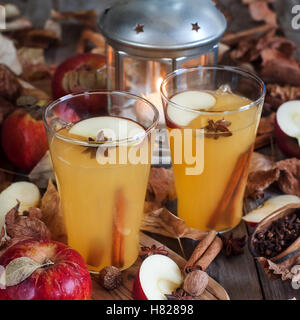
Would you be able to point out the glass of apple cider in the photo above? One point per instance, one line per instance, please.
(100, 145)
(212, 115)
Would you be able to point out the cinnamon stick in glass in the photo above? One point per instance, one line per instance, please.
(118, 237)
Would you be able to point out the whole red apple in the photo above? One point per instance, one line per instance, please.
(65, 277)
(24, 139)
(79, 73)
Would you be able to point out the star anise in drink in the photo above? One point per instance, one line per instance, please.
(100, 139)
(217, 129)
(149, 251)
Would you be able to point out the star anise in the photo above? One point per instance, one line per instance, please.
(139, 28)
(149, 251)
(179, 294)
(233, 246)
(100, 139)
(217, 129)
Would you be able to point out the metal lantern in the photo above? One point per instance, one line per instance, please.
(146, 39)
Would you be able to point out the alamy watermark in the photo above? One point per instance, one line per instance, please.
(296, 278)
(296, 19)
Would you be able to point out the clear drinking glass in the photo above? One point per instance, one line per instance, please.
(212, 115)
(100, 144)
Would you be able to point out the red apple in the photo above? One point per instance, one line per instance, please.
(158, 275)
(287, 128)
(24, 138)
(65, 277)
(79, 73)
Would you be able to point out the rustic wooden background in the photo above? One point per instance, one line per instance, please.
(241, 276)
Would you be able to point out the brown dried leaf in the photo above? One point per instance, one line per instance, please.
(260, 11)
(281, 270)
(262, 173)
(52, 214)
(165, 223)
(266, 125)
(289, 179)
(161, 187)
(10, 87)
(279, 68)
(88, 18)
(277, 95)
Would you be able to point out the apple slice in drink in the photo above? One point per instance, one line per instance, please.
(193, 100)
(257, 215)
(113, 128)
(287, 128)
(158, 275)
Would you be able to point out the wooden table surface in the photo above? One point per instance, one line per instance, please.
(241, 276)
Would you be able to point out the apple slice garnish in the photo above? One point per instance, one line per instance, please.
(287, 129)
(194, 100)
(113, 128)
(273, 204)
(158, 275)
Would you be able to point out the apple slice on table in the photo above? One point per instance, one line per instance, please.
(287, 128)
(194, 100)
(26, 193)
(257, 215)
(113, 128)
(158, 275)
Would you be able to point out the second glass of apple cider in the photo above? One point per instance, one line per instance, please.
(100, 145)
(212, 115)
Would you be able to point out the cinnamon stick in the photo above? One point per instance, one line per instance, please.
(118, 237)
(233, 38)
(200, 249)
(239, 191)
(230, 189)
(209, 255)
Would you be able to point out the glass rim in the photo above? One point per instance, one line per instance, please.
(236, 70)
(113, 143)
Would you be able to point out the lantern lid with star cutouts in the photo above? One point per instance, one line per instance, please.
(162, 28)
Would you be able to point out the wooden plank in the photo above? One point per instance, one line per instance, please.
(213, 291)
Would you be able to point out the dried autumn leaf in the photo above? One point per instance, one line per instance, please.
(10, 87)
(20, 269)
(262, 173)
(278, 68)
(283, 93)
(52, 214)
(161, 187)
(289, 179)
(260, 11)
(281, 270)
(165, 223)
(19, 227)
